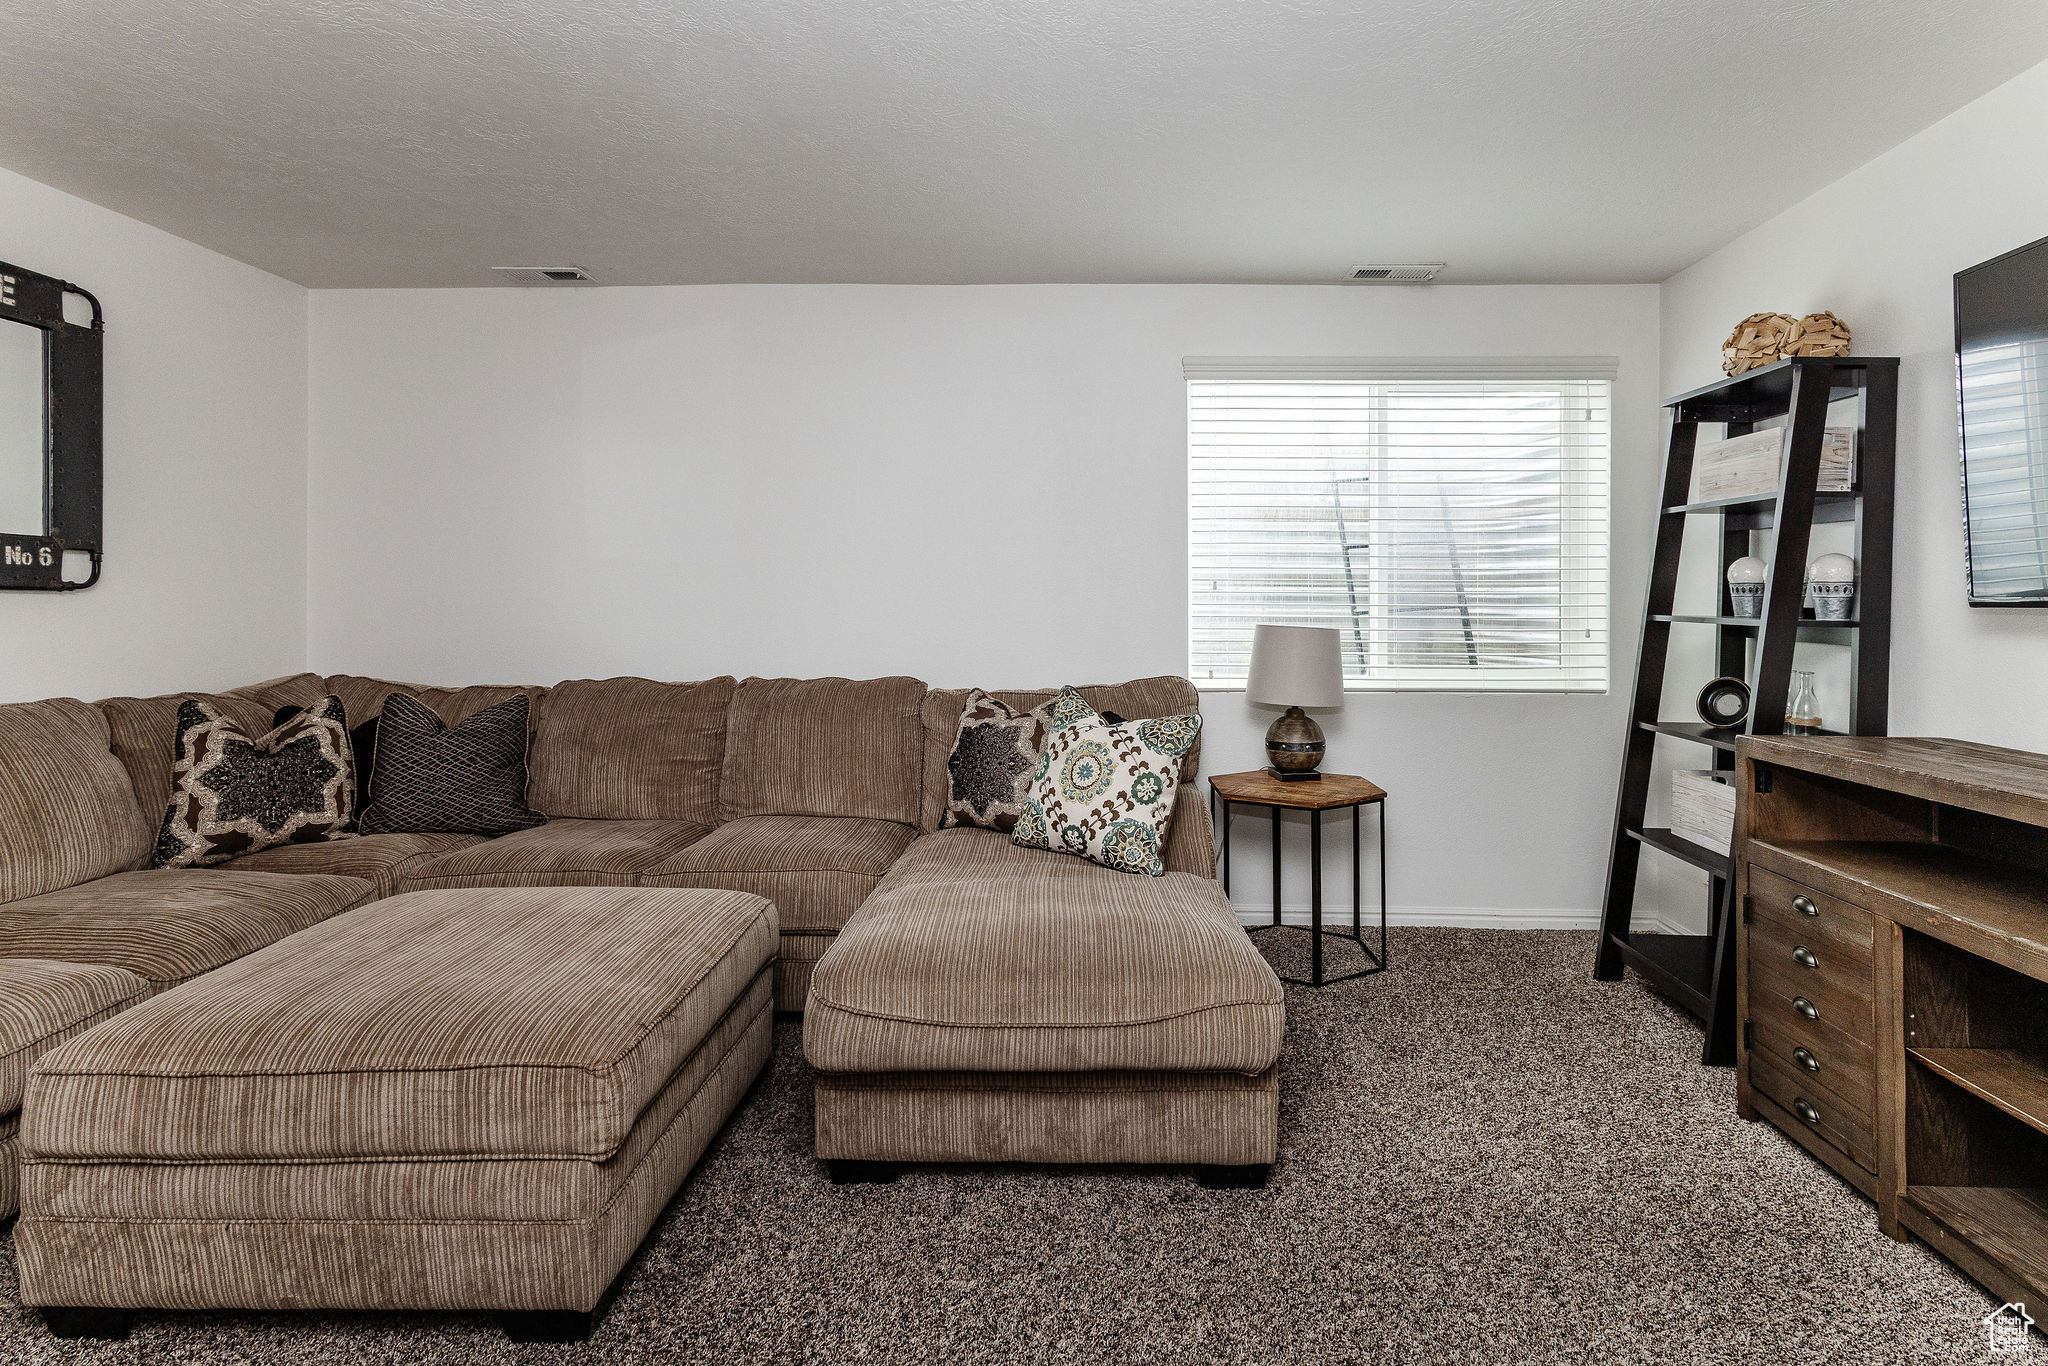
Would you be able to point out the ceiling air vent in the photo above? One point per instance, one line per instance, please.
(1395, 275)
(545, 275)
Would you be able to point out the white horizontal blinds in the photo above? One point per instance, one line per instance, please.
(1453, 529)
(2005, 407)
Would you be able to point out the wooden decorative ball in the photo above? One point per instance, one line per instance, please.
(1819, 334)
(1759, 339)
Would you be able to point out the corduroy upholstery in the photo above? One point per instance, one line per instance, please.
(363, 698)
(587, 1043)
(523, 1022)
(167, 925)
(562, 853)
(1043, 973)
(67, 811)
(1225, 1118)
(381, 860)
(823, 747)
(816, 869)
(629, 749)
(41, 1005)
(143, 730)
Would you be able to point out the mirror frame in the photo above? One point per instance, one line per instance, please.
(72, 473)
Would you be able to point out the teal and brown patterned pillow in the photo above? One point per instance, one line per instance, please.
(232, 794)
(1105, 792)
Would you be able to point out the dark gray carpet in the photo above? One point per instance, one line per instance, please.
(1485, 1157)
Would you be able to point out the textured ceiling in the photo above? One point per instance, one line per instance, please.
(419, 142)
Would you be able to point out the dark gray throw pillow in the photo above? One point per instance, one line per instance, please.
(463, 780)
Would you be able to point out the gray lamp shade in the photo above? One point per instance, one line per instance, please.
(1295, 666)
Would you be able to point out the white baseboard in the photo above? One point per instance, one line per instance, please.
(1455, 917)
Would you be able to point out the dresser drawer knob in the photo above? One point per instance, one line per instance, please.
(1804, 1109)
(1804, 905)
(1806, 1007)
(1803, 956)
(1806, 1059)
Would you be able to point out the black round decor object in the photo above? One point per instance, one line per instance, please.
(1724, 702)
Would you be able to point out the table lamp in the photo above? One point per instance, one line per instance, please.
(1295, 667)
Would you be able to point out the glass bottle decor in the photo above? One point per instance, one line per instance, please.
(1802, 711)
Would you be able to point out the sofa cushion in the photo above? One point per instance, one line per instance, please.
(169, 924)
(465, 779)
(236, 792)
(517, 1023)
(43, 1003)
(1136, 700)
(380, 860)
(67, 810)
(629, 749)
(143, 730)
(816, 869)
(823, 747)
(1045, 974)
(564, 853)
(365, 697)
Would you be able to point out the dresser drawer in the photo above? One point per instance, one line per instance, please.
(1820, 1057)
(1816, 914)
(1792, 975)
(1843, 1126)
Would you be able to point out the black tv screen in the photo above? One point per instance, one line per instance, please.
(2002, 366)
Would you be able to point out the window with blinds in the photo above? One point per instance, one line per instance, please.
(1450, 519)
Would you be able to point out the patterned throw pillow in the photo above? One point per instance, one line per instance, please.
(231, 795)
(994, 751)
(465, 780)
(1105, 792)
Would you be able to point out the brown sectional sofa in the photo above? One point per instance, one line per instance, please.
(969, 1000)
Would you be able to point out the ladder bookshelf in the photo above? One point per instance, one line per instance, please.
(1698, 970)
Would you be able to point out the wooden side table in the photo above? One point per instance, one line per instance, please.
(1333, 792)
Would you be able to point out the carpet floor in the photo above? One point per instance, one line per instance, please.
(1485, 1157)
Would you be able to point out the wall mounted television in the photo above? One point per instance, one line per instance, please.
(2002, 373)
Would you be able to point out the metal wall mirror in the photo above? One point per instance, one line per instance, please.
(49, 434)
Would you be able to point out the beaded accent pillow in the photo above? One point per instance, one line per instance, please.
(232, 795)
(1105, 792)
(994, 751)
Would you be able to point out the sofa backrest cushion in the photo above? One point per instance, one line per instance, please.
(363, 698)
(68, 812)
(823, 747)
(1166, 695)
(143, 730)
(630, 749)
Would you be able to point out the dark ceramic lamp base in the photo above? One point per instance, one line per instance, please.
(1294, 743)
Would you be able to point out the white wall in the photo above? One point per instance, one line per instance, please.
(205, 436)
(980, 485)
(1880, 248)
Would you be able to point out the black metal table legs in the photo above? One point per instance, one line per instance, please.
(1316, 977)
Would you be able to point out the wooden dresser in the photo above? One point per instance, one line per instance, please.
(1893, 982)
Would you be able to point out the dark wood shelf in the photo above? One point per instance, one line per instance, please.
(1809, 627)
(1695, 972)
(1767, 390)
(1679, 965)
(1762, 500)
(1698, 855)
(1700, 733)
(2010, 1080)
(2007, 1224)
